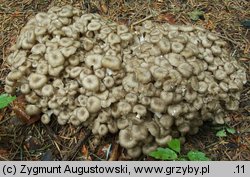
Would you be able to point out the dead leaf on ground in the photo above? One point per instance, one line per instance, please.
(2, 114)
(115, 153)
(18, 106)
(104, 151)
(103, 7)
(4, 152)
(32, 143)
(166, 17)
(85, 153)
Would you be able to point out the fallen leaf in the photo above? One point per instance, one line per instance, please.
(32, 143)
(33, 119)
(2, 113)
(4, 152)
(21, 114)
(166, 17)
(115, 153)
(103, 7)
(85, 153)
(18, 106)
(209, 25)
(104, 151)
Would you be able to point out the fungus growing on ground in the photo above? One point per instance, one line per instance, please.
(149, 85)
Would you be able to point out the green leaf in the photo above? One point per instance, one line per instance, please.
(164, 154)
(5, 100)
(221, 133)
(182, 159)
(197, 156)
(195, 15)
(175, 145)
(231, 130)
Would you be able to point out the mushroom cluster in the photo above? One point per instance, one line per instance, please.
(148, 85)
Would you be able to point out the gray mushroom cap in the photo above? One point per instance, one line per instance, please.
(36, 81)
(126, 140)
(55, 58)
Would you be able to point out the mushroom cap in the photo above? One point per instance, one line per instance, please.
(122, 123)
(68, 51)
(111, 62)
(185, 69)
(103, 117)
(126, 139)
(174, 110)
(126, 37)
(82, 114)
(122, 29)
(17, 58)
(157, 105)
(139, 132)
(184, 128)
(55, 58)
(159, 73)
(42, 68)
(94, 26)
(124, 107)
(103, 130)
(66, 11)
(140, 110)
(14, 75)
(163, 141)
(108, 81)
(131, 98)
(91, 83)
(25, 88)
(143, 75)
(66, 42)
(134, 152)
(38, 49)
(93, 104)
(220, 74)
(153, 129)
(32, 110)
(75, 71)
(166, 121)
(74, 120)
(94, 60)
(47, 90)
(113, 38)
(150, 147)
(164, 45)
(36, 80)
(167, 97)
(112, 126)
(45, 119)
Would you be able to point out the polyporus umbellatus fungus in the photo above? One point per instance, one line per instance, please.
(148, 85)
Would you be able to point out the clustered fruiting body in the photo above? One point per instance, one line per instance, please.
(149, 85)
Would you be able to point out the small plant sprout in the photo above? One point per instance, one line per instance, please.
(225, 129)
(172, 152)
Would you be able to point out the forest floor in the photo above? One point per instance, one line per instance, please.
(36, 141)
